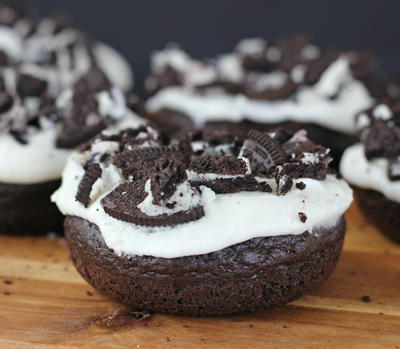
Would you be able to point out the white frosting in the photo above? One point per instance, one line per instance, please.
(40, 161)
(33, 49)
(263, 81)
(115, 66)
(251, 46)
(10, 42)
(310, 104)
(373, 174)
(382, 111)
(229, 218)
(185, 198)
(192, 71)
(230, 68)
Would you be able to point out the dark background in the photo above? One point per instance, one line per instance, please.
(207, 27)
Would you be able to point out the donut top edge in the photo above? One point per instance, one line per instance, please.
(50, 78)
(265, 70)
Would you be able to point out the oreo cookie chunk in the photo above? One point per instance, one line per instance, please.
(373, 166)
(268, 84)
(183, 226)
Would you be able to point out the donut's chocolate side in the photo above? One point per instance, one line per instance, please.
(380, 211)
(27, 209)
(178, 125)
(250, 276)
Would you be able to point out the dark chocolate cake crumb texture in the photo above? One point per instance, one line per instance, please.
(379, 131)
(55, 56)
(171, 176)
(267, 70)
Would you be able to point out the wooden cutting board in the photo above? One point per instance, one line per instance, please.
(44, 303)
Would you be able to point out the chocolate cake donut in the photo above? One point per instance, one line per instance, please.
(266, 84)
(373, 166)
(209, 225)
(58, 46)
(54, 96)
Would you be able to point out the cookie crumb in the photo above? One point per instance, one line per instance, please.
(301, 185)
(88, 293)
(7, 293)
(303, 217)
(8, 282)
(366, 299)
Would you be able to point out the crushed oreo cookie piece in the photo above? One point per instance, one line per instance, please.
(381, 139)
(92, 174)
(85, 121)
(95, 80)
(140, 162)
(30, 86)
(218, 164)
(284, 184)
(291, 52)
(263, 152)
(234, 185)
(169, 173)
(302, 217)
(19, 135)
(158, 174)
(293, 156)
(316, 67)
(394, 169)
(379, 130)
(6, 102)
(301, 185)
(122, 204)
(253, 53)
(272, 86)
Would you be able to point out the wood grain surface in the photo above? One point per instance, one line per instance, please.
(44, 303)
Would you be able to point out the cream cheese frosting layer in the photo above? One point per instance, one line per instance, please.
(309, 106)
(229, 218)
(291, 81)
(368, 174)
(114, 65)
(40, 160)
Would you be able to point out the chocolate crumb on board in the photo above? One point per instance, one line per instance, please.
(366, 299)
